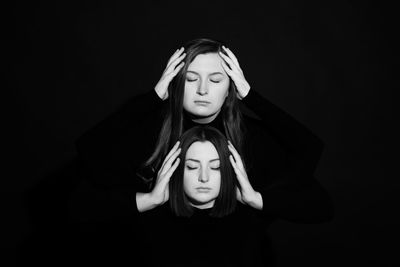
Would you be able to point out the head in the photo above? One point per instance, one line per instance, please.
(201, 79)
(202, 88)
(205, 177)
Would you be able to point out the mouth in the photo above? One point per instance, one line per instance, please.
(203, 189)
(202, 102)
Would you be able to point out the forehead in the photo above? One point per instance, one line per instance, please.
(206, 63)
(202, 151)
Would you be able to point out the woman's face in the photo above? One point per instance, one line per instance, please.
(206, 87)
(201, 176)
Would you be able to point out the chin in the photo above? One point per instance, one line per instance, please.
(204, 199)
(203, 113)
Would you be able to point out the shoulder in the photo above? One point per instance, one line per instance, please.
(255, 131)
(120, 129)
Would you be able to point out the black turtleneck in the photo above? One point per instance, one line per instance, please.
(280, 155)
(216, 123)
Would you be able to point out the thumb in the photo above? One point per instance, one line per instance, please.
(239, 195)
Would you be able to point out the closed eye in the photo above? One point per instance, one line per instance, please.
(193, 80)
(191, 168)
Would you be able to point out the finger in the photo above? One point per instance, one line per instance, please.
(166, 193)
(239, 177)
(173, 168)
(235, 168)
(173, 149)
(168, 164)
(234, 165)
(177, 69)
(167, 177)
(175, 55)
(231, 55)
(238, 159)
(168, 161)
(170, 68)
(176, 59)
(239, 195)
(227, 69)
(228, 60)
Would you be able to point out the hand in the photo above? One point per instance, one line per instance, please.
(235, 72)
(160, 192)
(245, 193)
(169, 73)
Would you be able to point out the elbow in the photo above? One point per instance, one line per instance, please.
(323, 210)
(326, 214)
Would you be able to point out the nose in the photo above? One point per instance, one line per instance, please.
(202, 89)
(203, 177)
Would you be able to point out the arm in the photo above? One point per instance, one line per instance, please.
(272, 185)
(302, 146)
(286, 192)
(298, 202)
(109, 153)
(285, 156)
(137, 108)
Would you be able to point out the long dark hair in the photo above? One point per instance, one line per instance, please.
(225, 203)
(172, 127)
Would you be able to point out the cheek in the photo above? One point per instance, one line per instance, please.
(216, 178)
(188, 94)
(190, 88)
(188, 180)
(219, 94)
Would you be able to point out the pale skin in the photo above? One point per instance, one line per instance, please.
(246, 194)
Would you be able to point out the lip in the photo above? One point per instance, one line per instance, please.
(202, 102)
(203, 189)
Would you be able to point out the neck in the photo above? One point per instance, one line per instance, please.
(204, 120)
(204, 206)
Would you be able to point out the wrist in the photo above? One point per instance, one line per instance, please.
(162, 96)
(255, 200)
(145, 201)
(245, 92)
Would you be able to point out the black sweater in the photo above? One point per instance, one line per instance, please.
(281, 157)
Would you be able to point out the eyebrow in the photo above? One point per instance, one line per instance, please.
(213, 73)
(195, 160)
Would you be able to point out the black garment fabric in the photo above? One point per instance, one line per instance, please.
(280, 154)
(238, 239)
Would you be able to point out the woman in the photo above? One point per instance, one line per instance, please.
(203, 219)
(202, 84)
(205, 179)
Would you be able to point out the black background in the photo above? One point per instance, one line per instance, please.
(70, 65)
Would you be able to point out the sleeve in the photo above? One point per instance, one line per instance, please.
(284, 175)
(287, 193)
(303, 147)
(297, 199)
(107, 156)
